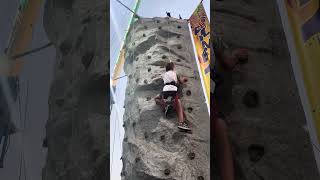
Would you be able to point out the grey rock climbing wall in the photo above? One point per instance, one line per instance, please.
(77, 126)
(153, 147)
(276, 123)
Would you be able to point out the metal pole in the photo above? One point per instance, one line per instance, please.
(31, 51)
(128, 9)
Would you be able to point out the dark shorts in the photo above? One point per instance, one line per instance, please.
(166, 94)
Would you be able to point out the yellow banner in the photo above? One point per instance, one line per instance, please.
(303, 17)
(200, 27)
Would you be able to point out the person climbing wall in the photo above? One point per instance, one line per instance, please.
(171, 89)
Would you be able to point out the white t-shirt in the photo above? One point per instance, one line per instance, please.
(168, 77)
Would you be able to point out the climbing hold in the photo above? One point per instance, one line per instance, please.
(137, 80)
(188, 93)
(149, 69)
(144, 35)
(149, 57)
(256, 152)
(251, 99)
(179, 46)
(164, 57)
(145, 27)
(200, 178)
(162, 138)
(178, 60)
(159, 27)
(158, 21)
(130, 76)
(60, 102)
(148, 98)
(191, 155)
(145, 81)
(87, 59)
(133, 124)
(137, 58)
(190, 109)
(146, 135)
(137, 159)
(125, 139)
(167, 172)
(123, 125)
(45, 143)
(179, 27)
(178, 36)
(122, 173)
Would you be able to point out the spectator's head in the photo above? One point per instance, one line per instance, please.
(169, 66)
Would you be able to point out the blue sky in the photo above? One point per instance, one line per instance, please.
(119, 18)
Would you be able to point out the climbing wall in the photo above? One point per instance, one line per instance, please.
(77, 126)
(266, 123)
(153, 147)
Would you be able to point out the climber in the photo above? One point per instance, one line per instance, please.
(172, 83)
(180, 17)
(221, 104)
(168, 14)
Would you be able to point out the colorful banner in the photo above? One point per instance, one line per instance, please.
(301, 21)
(200, 27)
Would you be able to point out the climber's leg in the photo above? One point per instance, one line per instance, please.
(223, 149)
(179, 110)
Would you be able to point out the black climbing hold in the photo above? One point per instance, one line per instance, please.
(125, 139)
(133, 124)
(200, 178)
(137, 80)
(137, 159)
(133, 44)
(122, 174)
(144, 35)
(178, 36)
(130, 76)
(179, 46)
(191, 155)
(146, 135)
(145, 27)
(137, 58)
(178, 60)
(61, 64)
(167, 172)
(251, 99)
(123, 125)
(87, 59)
(190, 109)
(179, 27)
(86, 20)
(158, 21)
(65, 47)
(188, 93)
(149, 57)
(256, 152)
(164, 57)
(162, 138)
(60, 102)
(159, 27)
(148, 98)
(145, 81)
(149, 69)
(45, 143)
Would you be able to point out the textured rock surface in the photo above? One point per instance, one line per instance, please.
(76, 128)
(277, 122)
(153, 147)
